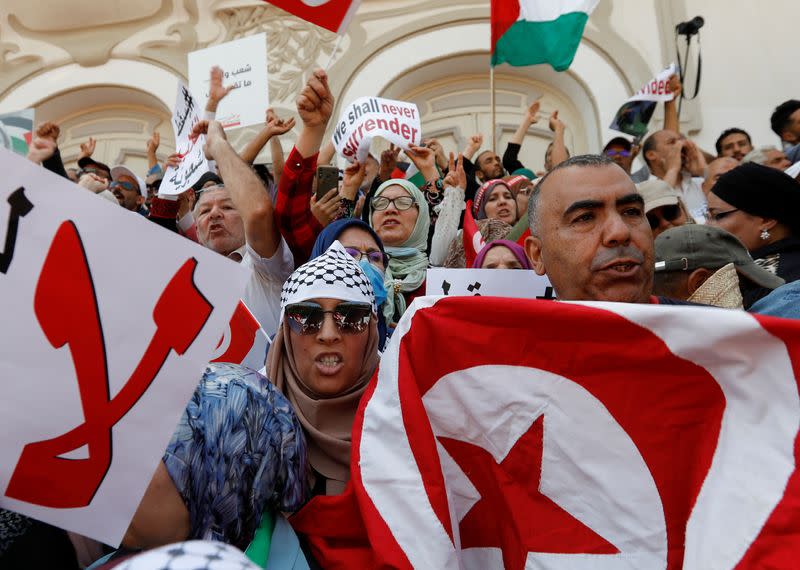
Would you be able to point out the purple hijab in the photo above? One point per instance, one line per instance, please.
(515, 248)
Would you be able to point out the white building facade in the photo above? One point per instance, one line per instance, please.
(109, 70)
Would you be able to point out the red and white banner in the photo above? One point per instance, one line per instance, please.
(565, 435)
(244, 341)
(333, 15)
(471, 236)
(107, 324)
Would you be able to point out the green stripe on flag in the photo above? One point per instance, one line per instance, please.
(19, 146)
(554, 42)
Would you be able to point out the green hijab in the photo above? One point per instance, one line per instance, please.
(408, 263)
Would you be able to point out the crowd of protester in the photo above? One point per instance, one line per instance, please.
(689, 226)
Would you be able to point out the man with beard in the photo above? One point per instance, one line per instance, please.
(235, 219)
(734, 143)
(589, 233)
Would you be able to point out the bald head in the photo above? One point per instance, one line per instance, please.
(589, 232)
(717, 168)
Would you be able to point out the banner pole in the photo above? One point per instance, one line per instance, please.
(494, 122)
(335, 49)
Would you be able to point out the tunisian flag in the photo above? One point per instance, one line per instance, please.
(471, 236)
(566, 435)
(243, 341)
(333, 15)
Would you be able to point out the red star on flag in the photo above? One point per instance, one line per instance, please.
(513, 514)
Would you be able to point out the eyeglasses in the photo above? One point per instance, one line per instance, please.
(307, 318)
(612, 153)
(401, 203)
(721, 215)
(374, 257)
(667, 213)
(124, 185)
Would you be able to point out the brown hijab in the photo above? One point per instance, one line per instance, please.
(327, 421)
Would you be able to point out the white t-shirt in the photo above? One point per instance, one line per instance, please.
(263, 293)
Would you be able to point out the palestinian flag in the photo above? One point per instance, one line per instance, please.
(409, 172)
(528, 32)
(16, 130)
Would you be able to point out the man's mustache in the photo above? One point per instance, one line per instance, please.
(607, 255)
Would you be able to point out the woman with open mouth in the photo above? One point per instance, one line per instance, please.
(323, 357)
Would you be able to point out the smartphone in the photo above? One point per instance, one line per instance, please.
(327, 179)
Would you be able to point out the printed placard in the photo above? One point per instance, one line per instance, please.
(109, 323)
(516, 283)
(244, 65)
(370, 117)
(194, 163)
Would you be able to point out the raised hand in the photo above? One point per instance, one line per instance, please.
(315, 103)
(675, 85)
(215, 135)
(473, 145)
(456, 176)
(88, 148)
(216, 90)
(49, 130)
(353, 179)
(424, 158)
(153, 142)
(41, 149)
(556, 125)
(92, 182)
(278, 126)
(388, 162)
(532, 114)
(438, 149)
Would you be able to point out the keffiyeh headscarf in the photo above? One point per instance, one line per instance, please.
(238, 450)
(195, 554)
(408, 263)
(327, 421)
(331, 234)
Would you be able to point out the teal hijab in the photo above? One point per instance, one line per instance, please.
(408, 263)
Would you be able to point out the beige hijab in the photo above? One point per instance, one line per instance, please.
(327, 421)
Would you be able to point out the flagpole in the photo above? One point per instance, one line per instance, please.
(335, 49)
(494, 122)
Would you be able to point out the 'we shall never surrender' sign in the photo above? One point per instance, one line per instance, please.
(370, 117)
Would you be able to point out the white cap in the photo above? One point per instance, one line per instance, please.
(121, 170)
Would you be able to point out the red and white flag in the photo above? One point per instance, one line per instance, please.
(566, 435)
(333, 15)
(244, 341)
(472, 236)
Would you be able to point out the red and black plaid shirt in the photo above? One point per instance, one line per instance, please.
(297, 224)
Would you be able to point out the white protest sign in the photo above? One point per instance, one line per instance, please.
(109, 321)
(657, 89)
(516, 283)
(370, 117)
(244, 65)
(194, 163)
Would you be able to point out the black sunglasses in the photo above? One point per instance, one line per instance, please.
(307, 318)
(668, 213)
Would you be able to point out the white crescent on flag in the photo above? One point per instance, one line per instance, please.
(608, 435)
